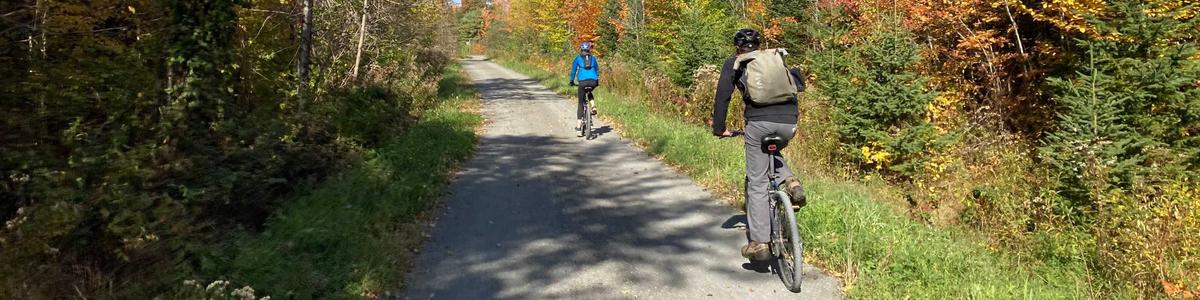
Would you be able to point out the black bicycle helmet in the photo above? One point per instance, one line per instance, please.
(746, 38)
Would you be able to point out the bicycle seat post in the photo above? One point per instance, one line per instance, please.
(771, 150)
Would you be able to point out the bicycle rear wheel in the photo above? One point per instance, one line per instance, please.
(587, 121)
(789, 249)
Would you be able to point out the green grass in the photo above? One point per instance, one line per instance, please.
(872, 246)
(353, 235)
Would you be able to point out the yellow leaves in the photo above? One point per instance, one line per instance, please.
(1067, 15)
(945, 110)
(1176, 9)
(541, 17)
(1072, 15)
(875, 155)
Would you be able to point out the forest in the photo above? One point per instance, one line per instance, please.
(1062, 132)
(146, 147)
(229, 149)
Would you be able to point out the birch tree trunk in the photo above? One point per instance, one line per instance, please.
(362, 32)
(302, 68)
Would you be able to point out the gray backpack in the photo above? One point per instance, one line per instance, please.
(766, 77)
(588, 61)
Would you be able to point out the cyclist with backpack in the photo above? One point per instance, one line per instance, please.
(769, 91)
(585, 69)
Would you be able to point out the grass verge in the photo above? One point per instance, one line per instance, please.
(352, 236)
(877, 251)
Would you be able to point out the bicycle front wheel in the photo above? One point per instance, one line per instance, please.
(790, 249)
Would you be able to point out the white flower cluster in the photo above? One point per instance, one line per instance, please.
(219, 290)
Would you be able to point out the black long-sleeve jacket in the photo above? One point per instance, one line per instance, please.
(786, 112)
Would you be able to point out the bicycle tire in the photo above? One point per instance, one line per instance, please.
(790, 249)
(587, 121)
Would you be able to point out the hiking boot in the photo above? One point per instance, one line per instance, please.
(756, 251)
(792, 187)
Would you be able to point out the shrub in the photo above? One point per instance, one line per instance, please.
(1124, 148)
(128, 156)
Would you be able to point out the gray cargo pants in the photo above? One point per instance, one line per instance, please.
(758, 211)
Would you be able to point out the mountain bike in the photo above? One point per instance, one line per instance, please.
(589, 111)
(785, 243)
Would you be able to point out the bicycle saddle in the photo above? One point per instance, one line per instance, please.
(773, 142)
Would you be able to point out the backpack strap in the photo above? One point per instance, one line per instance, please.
(589, 61)
(741, 60)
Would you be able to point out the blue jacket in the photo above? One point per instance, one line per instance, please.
(584, 74)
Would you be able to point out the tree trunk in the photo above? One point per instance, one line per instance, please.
(37, 25)
(37, 7)
(305, 49)
(362, 32)
(1016, 30)
(45, 15)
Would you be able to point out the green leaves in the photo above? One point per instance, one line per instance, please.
(134, 133)
(702, 38)
(881, 103)
(470, 24)
(1093, 141)
(1129, 114)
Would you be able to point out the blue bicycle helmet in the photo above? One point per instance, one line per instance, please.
(585, 46)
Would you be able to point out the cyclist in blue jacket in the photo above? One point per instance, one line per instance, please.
(587, 72)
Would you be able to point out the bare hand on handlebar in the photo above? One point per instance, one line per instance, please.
(729, 133)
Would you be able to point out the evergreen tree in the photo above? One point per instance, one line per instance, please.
(1132, 113)
(1154, 64)
(470, 24)
(1093, 148)
(801, 11)
(881, 104)
(610, 18)
(703, 38)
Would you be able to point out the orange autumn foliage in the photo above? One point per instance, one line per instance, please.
(1175, 290)
(582, 19)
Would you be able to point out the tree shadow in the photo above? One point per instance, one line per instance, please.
(539, 210)
(537, 216)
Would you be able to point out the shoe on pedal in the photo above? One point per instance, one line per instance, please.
(796, 191)
(756, 251)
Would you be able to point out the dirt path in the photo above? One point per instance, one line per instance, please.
(541, 214)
